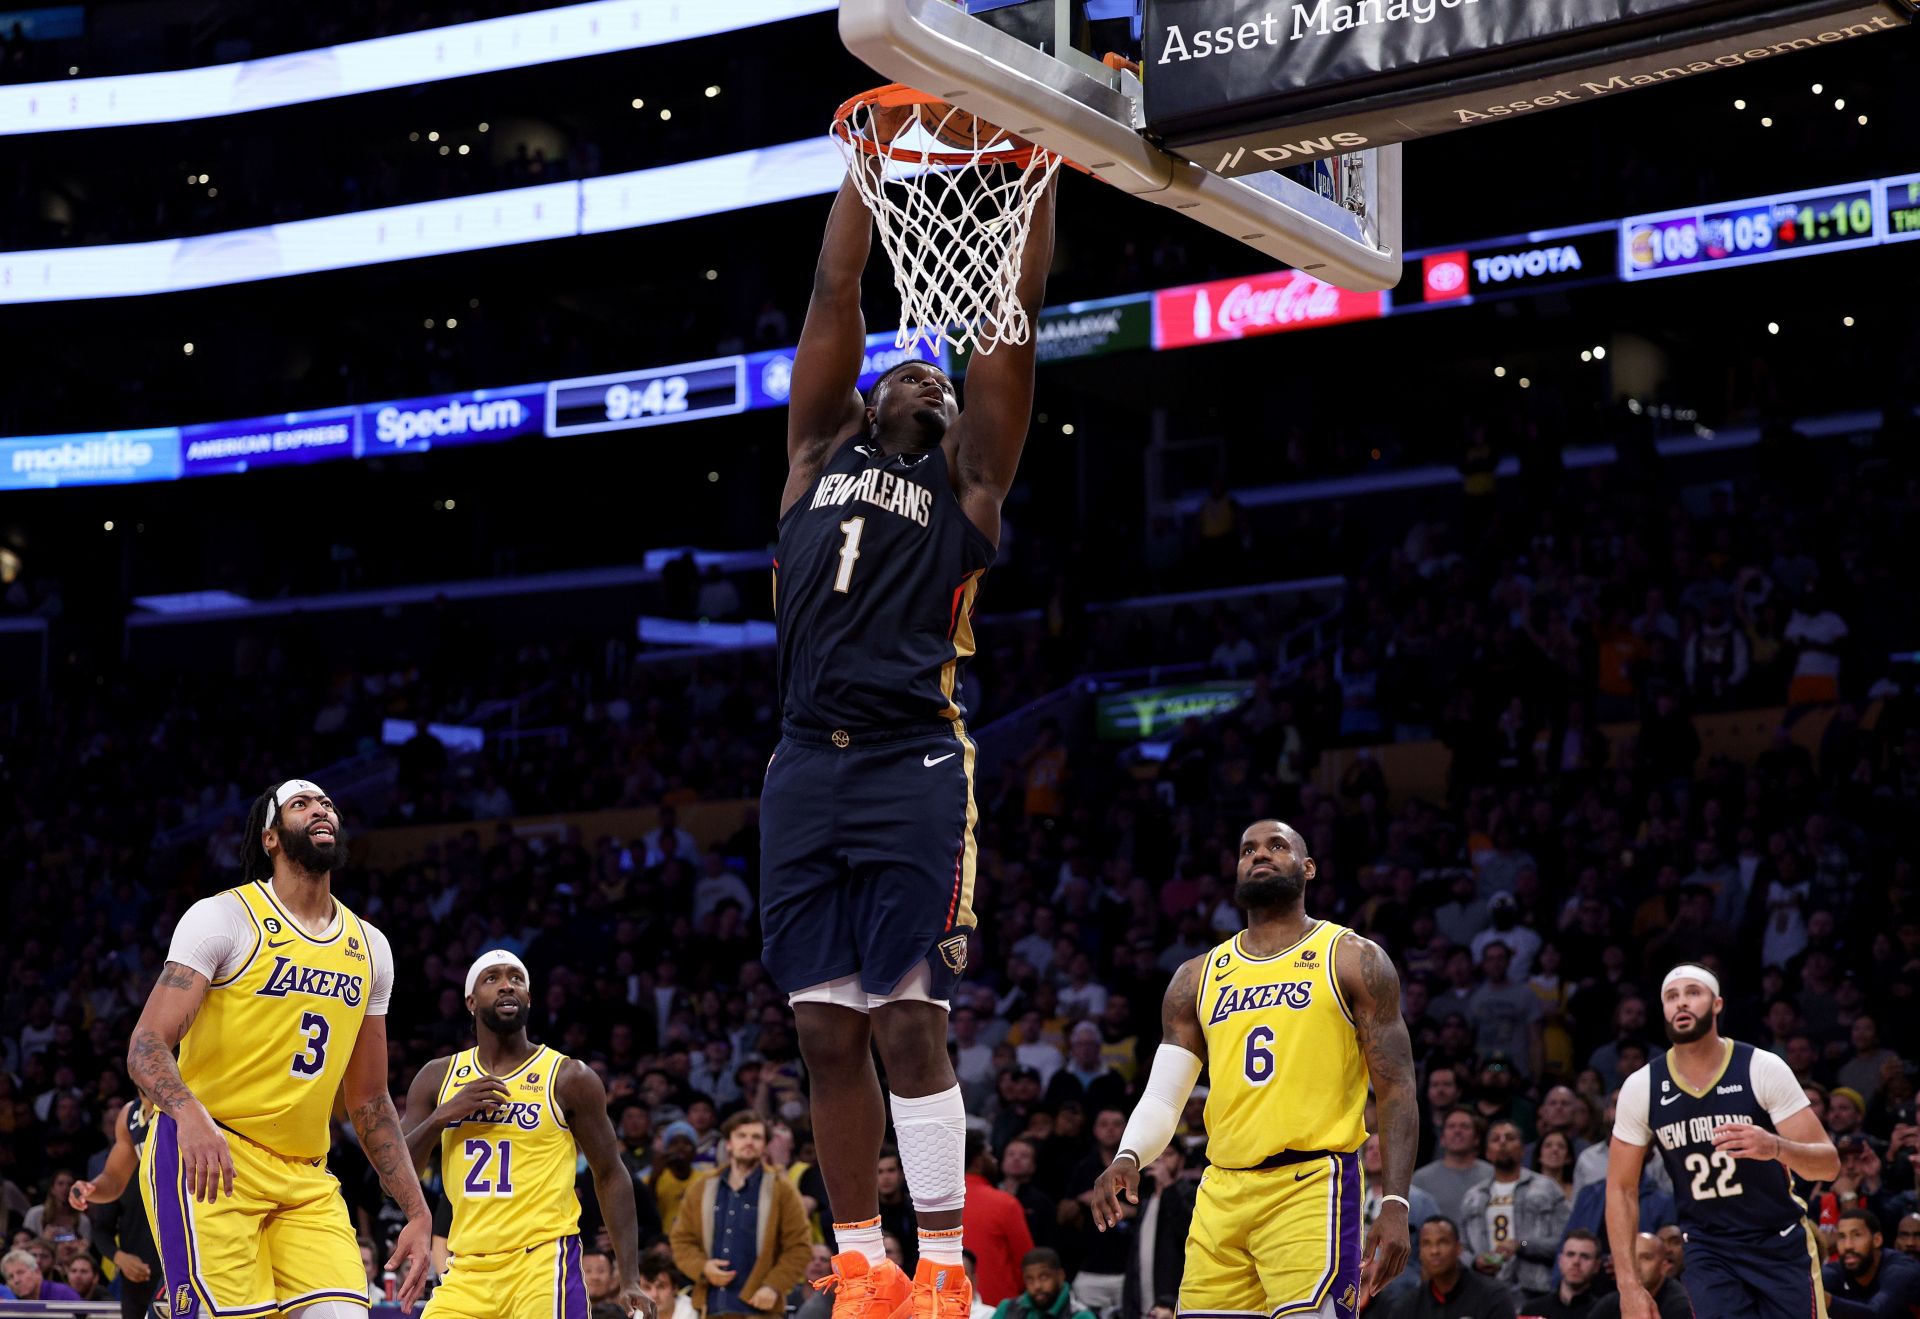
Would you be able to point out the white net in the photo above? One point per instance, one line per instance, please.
(953, 198)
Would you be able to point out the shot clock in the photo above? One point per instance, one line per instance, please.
(629, 399)
(1749, 232)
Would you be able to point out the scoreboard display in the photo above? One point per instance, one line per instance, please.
(629, 399)
(1746, 233)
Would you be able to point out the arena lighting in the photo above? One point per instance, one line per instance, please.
(1773, 327)
(409, 59)
(1499, 373)
(1739, 105)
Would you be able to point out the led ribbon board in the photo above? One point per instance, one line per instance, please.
(380, 64)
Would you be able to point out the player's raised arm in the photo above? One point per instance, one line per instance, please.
(1176, 1066)
(1366, 976)
(992, 429)
(583, 1098)
(377, 1124)
(170, 1009)
(824, 406)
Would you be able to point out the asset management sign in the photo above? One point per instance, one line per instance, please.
(1242, 86)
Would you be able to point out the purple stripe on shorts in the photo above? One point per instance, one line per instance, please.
(1346, 1269)
(573, 1301)
(176, 1261)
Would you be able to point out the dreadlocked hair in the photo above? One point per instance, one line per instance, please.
(254, 861)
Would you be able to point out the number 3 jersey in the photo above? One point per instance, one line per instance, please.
(268, 1050)
(509, 1170)
(1719, 1196)
(874, 582)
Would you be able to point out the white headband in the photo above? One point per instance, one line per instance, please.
(1690, 971)
(295, 788)
(491, 958)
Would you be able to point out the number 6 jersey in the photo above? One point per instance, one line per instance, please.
(1719, 1197)
(269, 1048)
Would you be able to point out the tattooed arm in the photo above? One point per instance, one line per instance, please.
(378, 1125)
(1372, 989)
(170, 1009)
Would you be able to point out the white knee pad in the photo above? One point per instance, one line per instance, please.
(331, 1310)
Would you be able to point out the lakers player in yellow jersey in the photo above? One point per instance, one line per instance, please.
(276, 995)
(511, 1118)
(1293, 1018)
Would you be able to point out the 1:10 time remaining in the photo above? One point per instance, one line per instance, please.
(1846, 218)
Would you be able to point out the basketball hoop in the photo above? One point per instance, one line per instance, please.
(953, 197)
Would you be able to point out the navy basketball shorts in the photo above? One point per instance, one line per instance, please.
(867, 859)
(1774, 1278)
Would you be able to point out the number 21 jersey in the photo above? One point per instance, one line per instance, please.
(874, 585)
(1719, 1197)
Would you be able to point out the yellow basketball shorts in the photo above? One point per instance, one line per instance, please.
(282, 1239)
(540, 1282)
(1276, 1241)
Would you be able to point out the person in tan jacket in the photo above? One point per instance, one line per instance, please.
(741, 1233)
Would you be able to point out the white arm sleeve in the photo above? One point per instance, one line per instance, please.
(1169, 1085)
(382, 954)
(1775, 1087)
(1630, 1110)
(214, 937)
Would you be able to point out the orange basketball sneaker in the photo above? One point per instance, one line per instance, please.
(940, 1291)
(867, 1291)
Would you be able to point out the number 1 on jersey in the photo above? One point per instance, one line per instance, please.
(849, 552)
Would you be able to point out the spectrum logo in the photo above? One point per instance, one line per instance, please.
(400, 424)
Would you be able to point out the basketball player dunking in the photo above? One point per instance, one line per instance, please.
(1295, 1017)
(276, 995)
(890, 516)
(1732, 1123)
(512, 1118)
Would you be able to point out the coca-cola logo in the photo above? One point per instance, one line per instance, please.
(1300, 300)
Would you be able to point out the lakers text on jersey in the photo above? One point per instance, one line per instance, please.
(269, 1048)
(509, 1171)
(1277, 1224)
(266, 1055)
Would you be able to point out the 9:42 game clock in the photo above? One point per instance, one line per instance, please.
(1749, 232)
(628, 399)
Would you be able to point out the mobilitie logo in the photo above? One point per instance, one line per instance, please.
(398, 424)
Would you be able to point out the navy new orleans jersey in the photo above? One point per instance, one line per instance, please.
(874, 583)
(1718, 1195)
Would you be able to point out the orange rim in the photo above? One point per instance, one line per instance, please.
(1018, 150)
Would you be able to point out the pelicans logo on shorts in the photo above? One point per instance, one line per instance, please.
(954, 952)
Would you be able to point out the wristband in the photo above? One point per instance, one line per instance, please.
(1404, 1204)
(1126, 1154)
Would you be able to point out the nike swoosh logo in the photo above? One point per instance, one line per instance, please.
(282, 944)
(1222, 976)
(1668, 1100)
(1788, 1230)
(1302, 1176)
(931, 761)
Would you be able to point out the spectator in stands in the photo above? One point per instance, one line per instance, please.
(656, 1275)
(1447, 1290)
(24, 1279)
(1102, 1256)
(667, 841)
(1676, 1243)
(741, 1231)
(1907, 1240)
(1503, 916)
(1882, 1282)
(1817, 635)
(1086, 1078)
(1046, 1294)
(370, 1266)
(55, 1216)
(1553, 1159)
(597, 1271)
(716, 885)
(1578, 1289)
(1862, 1183)
(996, 1226)
(1650, 1263)
(896, 1207)
(673, 1170)
(1515, 1219)
(1459, 1168)
(1506, 1014)
(1156, 1257)
(1420, 1208)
